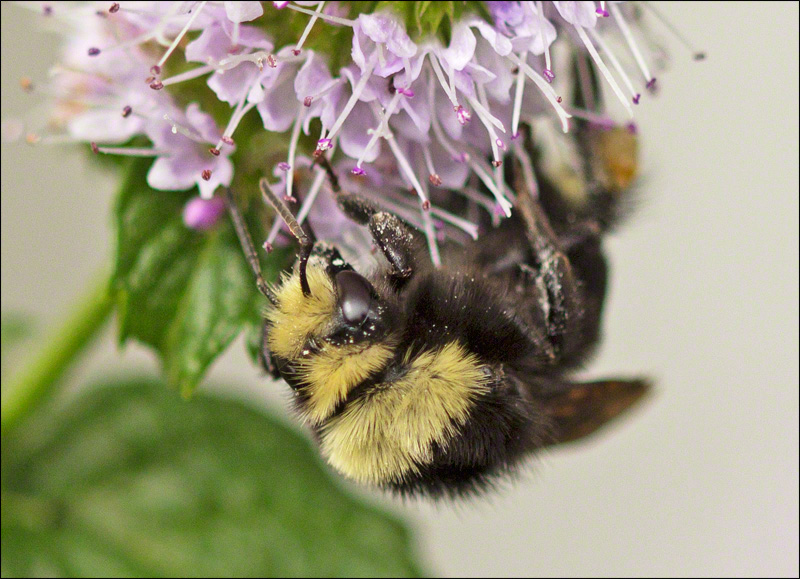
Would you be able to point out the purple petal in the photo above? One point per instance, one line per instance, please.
(542, 37)
(171, 174)
(105, 126)
(215, 42)
(452, 173)
(461, 49)
(384, 28)
(501, 44)
(412, 74)
(231, 85)
(243, 11)
(313, 77)
(581, 13)
(252, 37)
(374, 89)
(278, 109)
(221, 175)
(499, 87)
(203, 123)
(212, 44)
(354, 138)
(419, 112)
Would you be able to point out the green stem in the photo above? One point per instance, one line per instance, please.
(33, 385)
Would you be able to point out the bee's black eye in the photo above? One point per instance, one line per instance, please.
(355, 297)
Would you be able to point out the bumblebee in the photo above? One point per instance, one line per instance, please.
(440, 381)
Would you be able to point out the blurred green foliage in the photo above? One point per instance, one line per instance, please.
(130, 480)
(185, 293)
(14, 329)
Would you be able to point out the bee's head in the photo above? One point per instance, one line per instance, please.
(330, 339)
(329, 328)
(341, 308)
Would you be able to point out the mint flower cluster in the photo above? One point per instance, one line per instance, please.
(405, 110)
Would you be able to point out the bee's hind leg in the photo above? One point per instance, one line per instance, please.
(552, 278)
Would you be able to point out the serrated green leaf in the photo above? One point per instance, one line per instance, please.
(187, 294)
(131, 480)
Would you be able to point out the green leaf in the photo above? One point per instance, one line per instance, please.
(187, 294)
(14, 328)
(131, 480)
(431, 14)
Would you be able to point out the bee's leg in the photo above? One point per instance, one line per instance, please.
(247, 245)
(264, 353)
(555, 283)
(565, 313)
(396, 239)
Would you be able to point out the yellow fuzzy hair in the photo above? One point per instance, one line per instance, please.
(330, 374)
(382, 436)
(297, 318)
(334, 371)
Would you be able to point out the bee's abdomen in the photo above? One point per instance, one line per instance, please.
(501, 429)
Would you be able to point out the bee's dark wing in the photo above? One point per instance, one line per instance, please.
(574, 410)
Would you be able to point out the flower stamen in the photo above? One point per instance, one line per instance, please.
(635, 96)
(603, 69)
(323, 16)
(380, 131)
(357, 90)
(308, 28)
(298, 123)
(181, 34)
(548, 70)
(696, 54)
(437, 69)
(626, 33)
(518, 94)
(546, 89)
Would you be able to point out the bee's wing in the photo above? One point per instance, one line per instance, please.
(575, 409)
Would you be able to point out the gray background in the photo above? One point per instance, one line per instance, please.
(704, 298)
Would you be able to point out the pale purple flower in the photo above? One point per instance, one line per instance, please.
(578, 13)
(217, 45)
(184, 160)
(243, 11)
(275, 97)
(380, 43)
(522, 22)
(317, 90)
(404, 115)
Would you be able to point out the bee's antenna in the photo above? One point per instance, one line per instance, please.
(247, 246)
(306, 243)
(322, 161)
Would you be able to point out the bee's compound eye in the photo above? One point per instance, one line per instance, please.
(355, 296)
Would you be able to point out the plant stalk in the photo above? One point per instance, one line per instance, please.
(35, 383)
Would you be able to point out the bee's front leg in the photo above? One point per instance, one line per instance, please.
(394, 237)
(265, 354)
